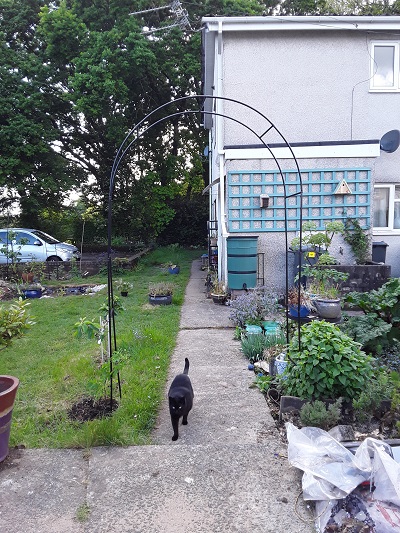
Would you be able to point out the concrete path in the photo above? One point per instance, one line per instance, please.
(227, 472)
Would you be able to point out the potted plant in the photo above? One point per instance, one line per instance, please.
(324, 283)
(218, 291)
(299, 302)
(173, 268)
(124, 287)
(160, 293)
(8, 391)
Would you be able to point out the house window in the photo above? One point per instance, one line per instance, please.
(385, 66)
(387, 207)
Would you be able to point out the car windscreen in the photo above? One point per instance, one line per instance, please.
(45, 237)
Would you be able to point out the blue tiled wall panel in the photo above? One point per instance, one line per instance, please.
(320, 204)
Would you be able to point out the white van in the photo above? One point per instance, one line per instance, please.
(22, 245)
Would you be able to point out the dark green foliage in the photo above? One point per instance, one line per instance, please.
(264, 382)
(81, 75)
(317, 414)
(358, 239)
(189, 224)
(389, 357)
(379, 388)
(384, 302)
(328, 365)
(369, 330)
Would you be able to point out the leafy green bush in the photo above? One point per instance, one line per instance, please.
(316, 414)
(383, 302)
(380, 306)
(253, 307)
(329, 364)
(369, 330)
(380, 388)
(14, 321)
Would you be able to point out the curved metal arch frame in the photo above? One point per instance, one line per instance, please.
(141, 128)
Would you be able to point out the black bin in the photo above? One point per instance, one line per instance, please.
(379, 252)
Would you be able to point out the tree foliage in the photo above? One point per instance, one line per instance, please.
(77, 75)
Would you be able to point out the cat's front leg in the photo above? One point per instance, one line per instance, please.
(184, 420)
(175, 424)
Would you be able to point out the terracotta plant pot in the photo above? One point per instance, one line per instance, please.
(8, 391)
(27, 277)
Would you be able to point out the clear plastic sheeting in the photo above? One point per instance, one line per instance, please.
(332, 472)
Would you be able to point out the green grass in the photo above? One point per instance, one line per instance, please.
(56, 369)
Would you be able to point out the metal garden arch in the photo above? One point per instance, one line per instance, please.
(136, 133)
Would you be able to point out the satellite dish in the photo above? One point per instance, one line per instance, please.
(390, 141)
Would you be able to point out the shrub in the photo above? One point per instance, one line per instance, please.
(252, 307)
(369, 330)
(383, 302)
(380, 388)
(14, 321)
(329, 364)
(316, 414)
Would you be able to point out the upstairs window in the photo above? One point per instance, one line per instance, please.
(387, 208)
(385, 67)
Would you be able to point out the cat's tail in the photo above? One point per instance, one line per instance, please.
(186, 369)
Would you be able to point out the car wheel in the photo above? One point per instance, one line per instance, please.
(54, 258)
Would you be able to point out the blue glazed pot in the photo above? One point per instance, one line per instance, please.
(33, 293)
(294, 311)
(174, 270)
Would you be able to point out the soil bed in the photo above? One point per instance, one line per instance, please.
(381, 428)
(91, 409)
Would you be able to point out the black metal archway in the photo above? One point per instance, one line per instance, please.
(138, 131)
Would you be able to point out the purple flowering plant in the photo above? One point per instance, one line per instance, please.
(253, 307)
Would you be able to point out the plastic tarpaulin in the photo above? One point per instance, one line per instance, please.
(332, 472)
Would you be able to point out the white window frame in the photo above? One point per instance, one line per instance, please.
(396, 74)
(380, 230)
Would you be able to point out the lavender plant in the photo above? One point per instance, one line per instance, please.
(253, 307)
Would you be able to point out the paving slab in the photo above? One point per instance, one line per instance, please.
(41, 491)
(188, 489)
(228, 470)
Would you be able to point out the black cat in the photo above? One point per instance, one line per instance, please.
(180, 398)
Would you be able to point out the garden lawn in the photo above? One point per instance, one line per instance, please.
(56, 369)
